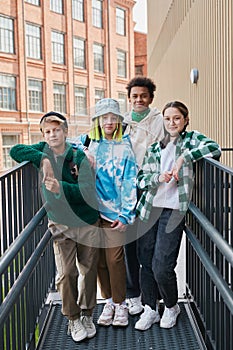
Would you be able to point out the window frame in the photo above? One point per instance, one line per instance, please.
(120, 21)
(99, 58)
(79, 50)
(57, 6)
(35, 96)
(7, 37)
(80, 108)
(33, 42)
(121, 64)
(97, 13)
(58, 47)
(8, 93)
(59, 98)
(78, 10)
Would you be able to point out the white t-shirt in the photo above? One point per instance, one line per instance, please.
(167, 195)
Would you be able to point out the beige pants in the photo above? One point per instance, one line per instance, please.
(111, 266)
(75, 260)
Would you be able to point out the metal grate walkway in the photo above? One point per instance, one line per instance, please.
(181, 337)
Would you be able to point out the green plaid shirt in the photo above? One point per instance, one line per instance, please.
(193, 146)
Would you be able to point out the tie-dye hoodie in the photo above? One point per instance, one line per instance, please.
(116, 172)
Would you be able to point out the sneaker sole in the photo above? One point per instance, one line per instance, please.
(168, 327)
(79, 339)
(120, 324)
(132, 313)
(106, 324)
(91, 335)
(145, 329)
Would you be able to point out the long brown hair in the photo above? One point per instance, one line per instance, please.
(183, 110)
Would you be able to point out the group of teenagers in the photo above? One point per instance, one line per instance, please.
(117, 199)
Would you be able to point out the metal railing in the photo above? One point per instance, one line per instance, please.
(209, 275)
(27, 261)
(26, 264)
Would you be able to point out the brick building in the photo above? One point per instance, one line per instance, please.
(60, 55)
(140, 47)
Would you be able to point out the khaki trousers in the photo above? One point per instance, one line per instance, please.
(75, 260)
(111, 267)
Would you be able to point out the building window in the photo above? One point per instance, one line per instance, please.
(122, 99)
(121, 63)
(79, 53)
(7, 92)
(58, 52)
(139, 70)
(97, 13)
(99, 94)
(8, 141)
(80, 100)
(6, 35)
(33, 41)
(59, 97)
(35, 95)
(98, 51)
(78, 10)
(120, 21)
(33, 2)
(56, 6)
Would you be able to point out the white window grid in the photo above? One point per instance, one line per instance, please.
(33, 41)
(59, 97)
(58, 55)
(120, 21)
(98, 51)
(79, 53)
(121, 63)
(6, 35)
(56, 6)
(35, 95)
(7, 142)
(78, 10)
(80, 100)
(97, 13)
(7, 92)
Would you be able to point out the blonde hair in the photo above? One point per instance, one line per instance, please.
(97, 131)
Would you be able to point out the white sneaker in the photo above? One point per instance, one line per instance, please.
(135, 306)
(169, 317)
(87, 321)
(121, 316)
(106, 317)
(147, 319)
(77, 330)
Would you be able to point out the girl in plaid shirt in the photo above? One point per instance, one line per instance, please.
(166, 181)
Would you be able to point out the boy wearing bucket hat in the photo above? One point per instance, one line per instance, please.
(68, 189)
(115, 169)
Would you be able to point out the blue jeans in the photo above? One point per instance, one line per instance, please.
(132, 264)
(158, 251)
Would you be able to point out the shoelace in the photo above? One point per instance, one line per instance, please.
(87, 321)
(74, 326)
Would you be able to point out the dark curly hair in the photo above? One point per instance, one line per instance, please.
(142, 81)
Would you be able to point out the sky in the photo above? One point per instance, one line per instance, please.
(140, 16)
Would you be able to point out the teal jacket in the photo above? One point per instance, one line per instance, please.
(76, 203)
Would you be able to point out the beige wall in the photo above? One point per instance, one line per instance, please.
(194, 34)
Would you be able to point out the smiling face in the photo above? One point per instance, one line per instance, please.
(109, 124)
(55, 135)
(140, 98)
(174, 121)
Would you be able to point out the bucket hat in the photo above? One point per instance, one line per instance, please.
(107, 105)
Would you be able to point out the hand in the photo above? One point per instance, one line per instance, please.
(118, 225)
(47, 169)
(52, 184)
(176, 168)
(165, 177)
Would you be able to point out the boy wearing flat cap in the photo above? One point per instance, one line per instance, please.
(68, 188)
